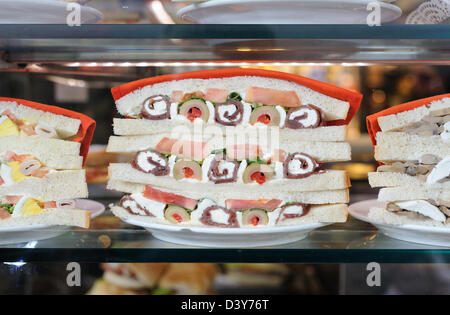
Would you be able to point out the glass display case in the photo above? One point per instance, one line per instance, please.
(75, 67)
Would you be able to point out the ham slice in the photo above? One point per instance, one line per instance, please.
(216, 95)
(4, 214)
(278, 156)
(169, 198)
(176, 96)
(183, 148)
(266, 204)
(40, 172)
(243, 151)
(28, 130)
(273, 97)
(13, 117)
(11, 200)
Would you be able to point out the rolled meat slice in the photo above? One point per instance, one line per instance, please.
(156, 107)
(293, 210)
(299, 165)
(222, 170)
(66, 204)
(304, 117)
(151, 162)
(133, 207)
(229, 113)
(28, 167)
(267, 115)
(220, 217)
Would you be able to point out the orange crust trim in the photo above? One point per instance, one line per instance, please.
(353, 98)
(87, 126)
(372, 120)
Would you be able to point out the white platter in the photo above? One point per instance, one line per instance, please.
(21, 234)
(227, 238)
(286, 12)
(419, 234)
(43, 12)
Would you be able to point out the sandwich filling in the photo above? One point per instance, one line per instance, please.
(176, 209)
(22, 206)
(438, 210)
(12, 125)
(240, 163)
(14, 168)
(429, 169)
(258, 107)
(435, 124)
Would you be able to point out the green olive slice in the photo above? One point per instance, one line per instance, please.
(267, 115)
(255, 217)
(187, 169)
(176, 214)
(259, 173)
(195, 108)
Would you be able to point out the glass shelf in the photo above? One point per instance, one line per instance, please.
(354, 242)
(153, 44)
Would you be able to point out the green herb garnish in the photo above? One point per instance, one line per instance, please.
(9, 208)
(161, 291)
(234, 96)
(223, 151)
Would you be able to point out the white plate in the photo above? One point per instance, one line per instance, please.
(223, 237)
(285, 12)
(43, 12)
(419, 234)
(21, 234)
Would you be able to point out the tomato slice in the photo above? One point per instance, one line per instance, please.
(265, 204)
(169, 198)
(188, 172)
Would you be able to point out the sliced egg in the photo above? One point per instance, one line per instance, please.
(16, 174)
(6, 174)
(27, 206)
(8, 127)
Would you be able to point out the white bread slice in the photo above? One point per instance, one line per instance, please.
(413, 193)
(321, 151)
(333, 108)
(55, 186)
(334, 213)
(65, 126)
(133, 127)
(392, 179)
(54, 153)
(400, 146)
(383, 216)
(403, 119)
(310, 197)
(80, 218)
(330, 180)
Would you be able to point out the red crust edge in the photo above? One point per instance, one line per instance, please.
(87, 126)
(353, 98)
(372, 120)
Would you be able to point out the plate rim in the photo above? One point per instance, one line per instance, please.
(212, 3)
(221, 231)
(408, 227)
(96, 15)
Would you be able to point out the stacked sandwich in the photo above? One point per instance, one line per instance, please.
(41, 159)
(412, 141)
(155, 279)
(232, 148)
